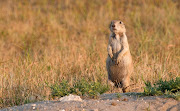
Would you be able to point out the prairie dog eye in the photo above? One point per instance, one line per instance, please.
(120, 22)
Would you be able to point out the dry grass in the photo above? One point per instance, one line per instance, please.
(49, 40)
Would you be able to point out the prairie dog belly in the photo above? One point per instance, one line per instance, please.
(116, 48)
(117, 75)
(123, 69)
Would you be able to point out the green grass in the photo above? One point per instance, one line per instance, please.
(118, 95)
(82, 88)
(169, 88)
(86, 88)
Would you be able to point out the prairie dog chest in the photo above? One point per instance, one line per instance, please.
(116, 44)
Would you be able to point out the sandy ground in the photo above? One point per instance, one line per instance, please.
(106, 102)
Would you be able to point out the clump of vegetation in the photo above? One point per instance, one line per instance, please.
(118, 95)
(169, 88)
(81, 88)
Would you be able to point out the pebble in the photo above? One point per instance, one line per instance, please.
(114, 103)
(33, 106)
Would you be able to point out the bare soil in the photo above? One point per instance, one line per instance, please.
(106, 102)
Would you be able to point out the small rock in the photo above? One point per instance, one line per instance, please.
(125, 99)
(70, 98)
(114, 103)
(33, 106)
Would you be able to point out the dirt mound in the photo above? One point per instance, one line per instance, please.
(106, 102)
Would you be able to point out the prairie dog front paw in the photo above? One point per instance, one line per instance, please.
(115, 61)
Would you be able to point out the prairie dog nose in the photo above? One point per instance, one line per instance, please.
(113, 25)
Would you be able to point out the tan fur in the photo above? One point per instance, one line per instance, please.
(119, 61)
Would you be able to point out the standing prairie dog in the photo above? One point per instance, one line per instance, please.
(119, 61)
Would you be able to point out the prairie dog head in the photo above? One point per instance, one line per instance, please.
(117, 26)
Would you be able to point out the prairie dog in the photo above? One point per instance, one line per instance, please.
(119, 61)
